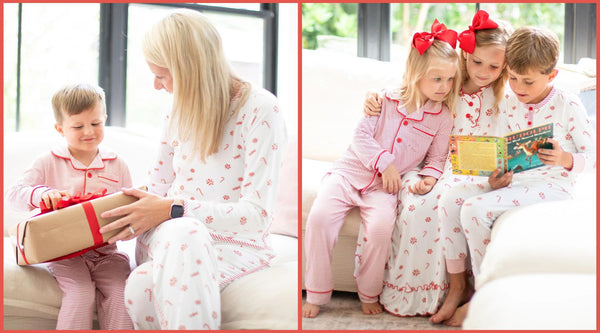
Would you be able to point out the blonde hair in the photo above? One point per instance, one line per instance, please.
(532, 48)
(416, 67)
(75, 98)
(491, 37)
(189, 46)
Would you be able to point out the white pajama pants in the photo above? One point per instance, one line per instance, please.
(334, 200)
(468, 211)
(176, 285)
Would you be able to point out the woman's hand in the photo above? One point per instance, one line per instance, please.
(423, 186)
(499, 182)
(372, 106)
(146, 213)
(52, 197)
(391, 179)
(556, 156)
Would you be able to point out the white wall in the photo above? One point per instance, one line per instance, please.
(287, 69)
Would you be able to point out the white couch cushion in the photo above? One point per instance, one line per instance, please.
(535, 301)
(553, 237)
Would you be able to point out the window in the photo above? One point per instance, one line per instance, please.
(58, 45)
(392, 25)
(49, 45)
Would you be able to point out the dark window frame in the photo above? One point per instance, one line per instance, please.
(113, 51)
(375, 29)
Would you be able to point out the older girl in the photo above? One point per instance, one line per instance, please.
(413, 127)
(416, 281)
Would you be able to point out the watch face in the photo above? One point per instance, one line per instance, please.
(176, 211)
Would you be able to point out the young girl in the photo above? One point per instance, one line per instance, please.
(413, 126)
(81, 166)
(415, 280)
(468, 211)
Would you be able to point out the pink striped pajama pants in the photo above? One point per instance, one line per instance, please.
(334, 200)
(96, 277)
(468, 211)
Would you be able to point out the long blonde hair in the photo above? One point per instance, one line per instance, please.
(416, 67)
(491, 37)
(190, 47)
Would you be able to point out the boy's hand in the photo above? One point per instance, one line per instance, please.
(556, 156)
(52, 197)
(391, 179)
(499, 182)
(372, 106)
(423, 186)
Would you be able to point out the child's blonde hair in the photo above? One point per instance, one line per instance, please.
(189, 46)
(75, 98)
(491, 37)
(416, 67)
(532, 48)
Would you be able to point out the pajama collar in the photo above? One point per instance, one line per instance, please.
(430, 107)
(62, 151)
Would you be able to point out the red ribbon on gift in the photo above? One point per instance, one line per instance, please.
(481, 21)
(422, 40)
(90, 215)
(77, 198)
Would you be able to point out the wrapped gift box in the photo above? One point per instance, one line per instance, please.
(66, 231)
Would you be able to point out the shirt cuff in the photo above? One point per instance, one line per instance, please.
(383, 161)
(578, 163)
(431, 171)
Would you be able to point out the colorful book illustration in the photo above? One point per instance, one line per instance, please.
(516, 152)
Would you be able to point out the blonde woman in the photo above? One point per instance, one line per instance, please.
(204, 221)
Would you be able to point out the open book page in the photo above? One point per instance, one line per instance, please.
(476, 155)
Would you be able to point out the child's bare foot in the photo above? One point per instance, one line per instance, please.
(310, 310)
(459, 293)
(371, 308)
(458, 317)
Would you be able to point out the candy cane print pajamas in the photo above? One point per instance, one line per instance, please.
(228, 208)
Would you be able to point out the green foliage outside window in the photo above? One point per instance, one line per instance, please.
(336, 19)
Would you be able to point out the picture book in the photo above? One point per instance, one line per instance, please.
(516, 152)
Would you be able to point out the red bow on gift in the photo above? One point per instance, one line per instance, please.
(481, 21)
(422, 40)
(77, 198)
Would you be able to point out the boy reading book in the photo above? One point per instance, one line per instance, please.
(531, 57)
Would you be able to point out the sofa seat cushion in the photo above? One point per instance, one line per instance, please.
(535, 301)
(32, 295)
(553, 237)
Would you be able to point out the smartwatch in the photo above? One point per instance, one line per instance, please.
(176, 208)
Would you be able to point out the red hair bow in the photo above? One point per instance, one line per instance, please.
(481, 21)
(422, 40)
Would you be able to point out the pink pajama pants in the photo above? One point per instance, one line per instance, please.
(96, 277)
(176, 284)
(468, 211)
(334, 200)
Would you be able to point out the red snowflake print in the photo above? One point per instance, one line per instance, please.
(459, 201)
(413, 240)
(150, 319)
(231, 133)
(225, 197)
(243, 220)
(462, 255)
(424, 299)
(263, 213)
(568, 136)
(214, 315)
(198, 302)
(456, 229)
(416, 272)
(275, 146)
(184, 287)
(429, 251)
(183, 247)
(401, 267)
(129, 301)
(210, 182)
(251, 174)
(255, 140)
(489, 215)
(516, 202)
(486, 241)
(172, 281)
(542, 195)
(209, 219)
(181, 187)
(428, 219)
(227, 166)
(411, 208)
(198, 261)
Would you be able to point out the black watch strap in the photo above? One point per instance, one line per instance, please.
(176, 209)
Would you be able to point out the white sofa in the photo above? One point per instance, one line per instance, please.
(552, 245)
(267, 299)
